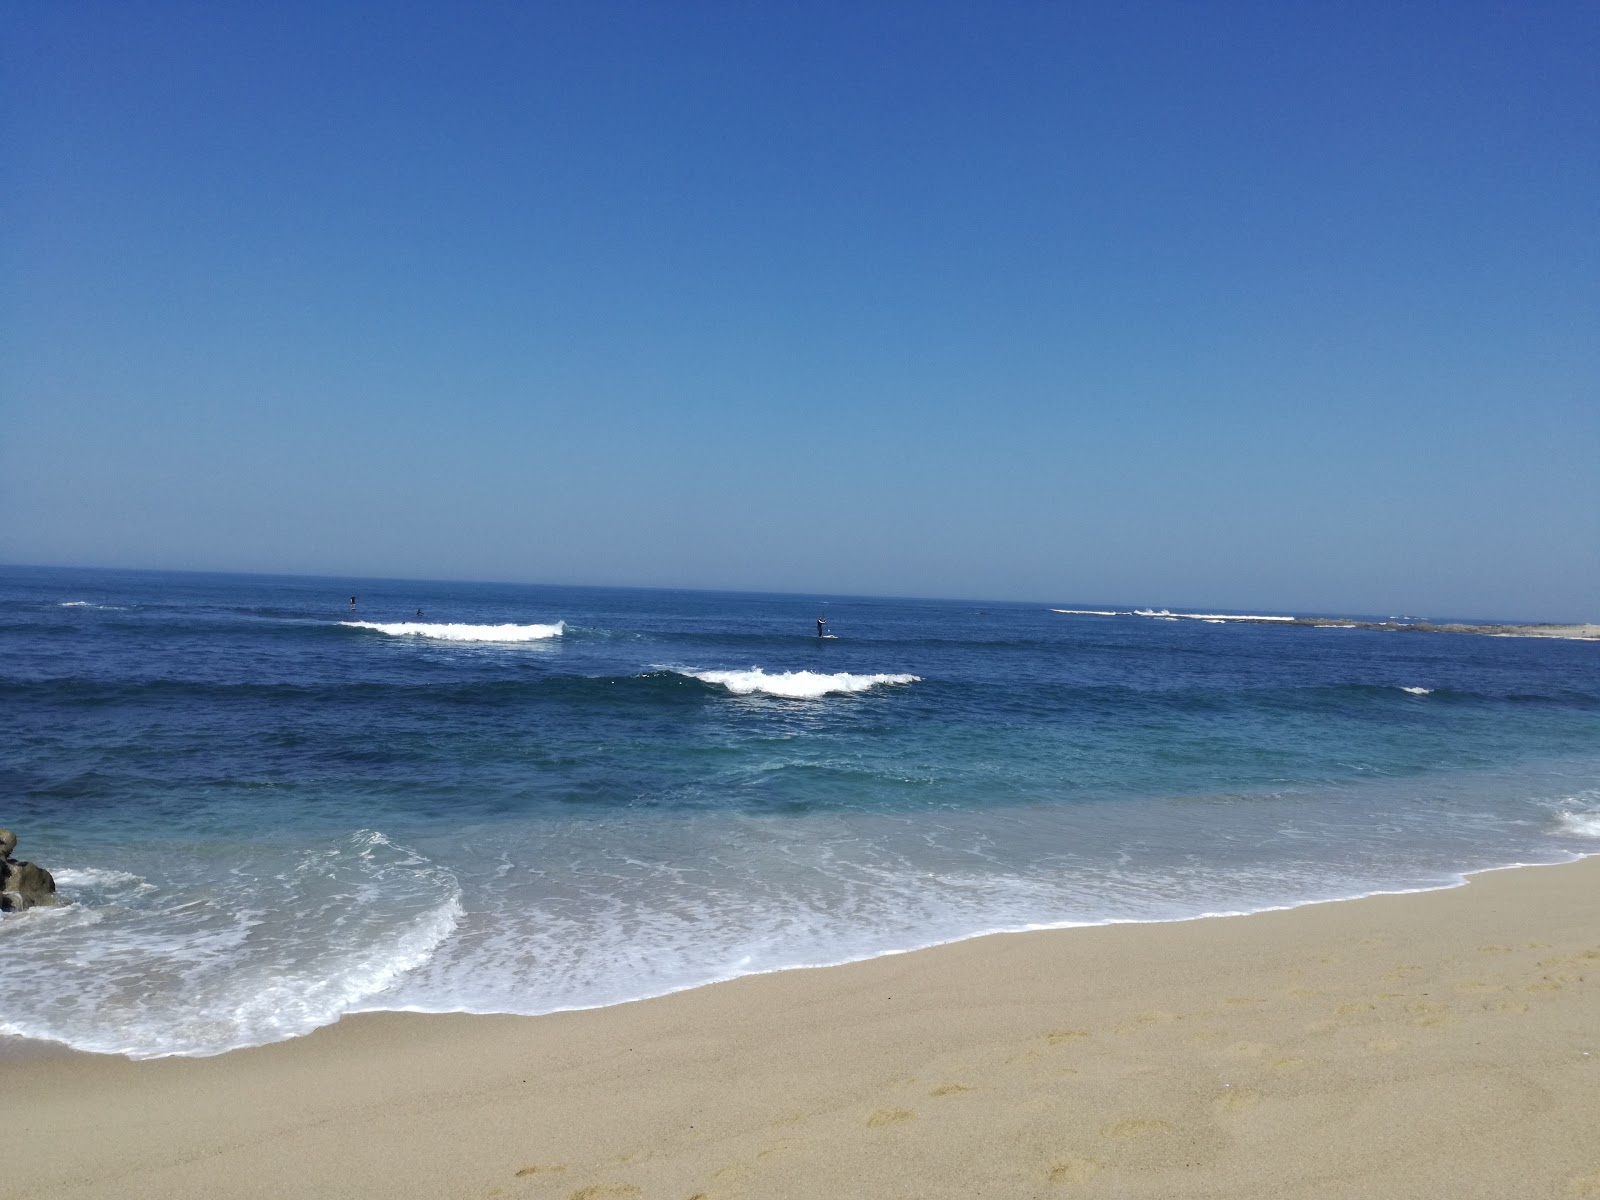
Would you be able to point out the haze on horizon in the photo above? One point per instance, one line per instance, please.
(1246, 306)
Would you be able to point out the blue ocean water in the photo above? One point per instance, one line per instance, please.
(270, 810)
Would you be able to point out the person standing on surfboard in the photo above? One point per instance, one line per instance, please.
(820, 624)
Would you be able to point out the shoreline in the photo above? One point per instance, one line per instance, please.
(1428, 1043)
(17, 1046)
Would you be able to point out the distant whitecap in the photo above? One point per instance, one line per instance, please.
(463, 633)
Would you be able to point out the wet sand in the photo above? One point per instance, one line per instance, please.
(1444, 1044)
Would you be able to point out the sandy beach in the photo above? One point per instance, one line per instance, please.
(1427, 1045)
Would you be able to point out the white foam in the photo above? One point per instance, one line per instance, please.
(203, 966)
(795, 685)
(1089, 612)
(95, 877)
(463, 633)
(1418, 691)
(1579, 824)
(1168, 615)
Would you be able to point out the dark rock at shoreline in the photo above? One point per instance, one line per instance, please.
(22, 884)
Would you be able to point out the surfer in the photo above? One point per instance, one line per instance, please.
(820, 624)
(352, 601)
(419, 612)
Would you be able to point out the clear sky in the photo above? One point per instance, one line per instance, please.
(1277, 305)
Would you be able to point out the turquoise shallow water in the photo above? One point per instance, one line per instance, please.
(269, 809)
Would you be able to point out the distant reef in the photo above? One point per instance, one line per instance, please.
(1582, 633)
(1570, 632)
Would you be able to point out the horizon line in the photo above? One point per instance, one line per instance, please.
(824, 596)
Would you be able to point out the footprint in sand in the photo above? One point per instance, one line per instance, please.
(1146, 1020)
(1506, 1006)
(541, 1169)
(1494, 949)
(1248, 1050)
(1132, 1130)
(889, 1116)
(1292, 1064)
(606, 1191)
(1237, 1100)
(1350, 1010)
(950, 1089)
(1075, 1168)
(1057, 1037)
(1426, 1014)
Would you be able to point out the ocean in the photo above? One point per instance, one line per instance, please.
(269, 809)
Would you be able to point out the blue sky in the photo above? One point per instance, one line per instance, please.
(1256, 305)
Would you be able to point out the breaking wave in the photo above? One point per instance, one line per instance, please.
(795, 685)
(1418, 691)
(462, 633)
(1579, 824)
(1168, 615)
(201, 966)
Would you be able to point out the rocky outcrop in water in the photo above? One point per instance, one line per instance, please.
(22, 884)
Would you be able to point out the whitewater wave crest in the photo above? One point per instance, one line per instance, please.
(462, 633)
(1418, 691)
(796, 685)
(97, 877)
(1579, 824)
(1168, 615)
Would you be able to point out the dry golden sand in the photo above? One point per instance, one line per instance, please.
(1438, 1045)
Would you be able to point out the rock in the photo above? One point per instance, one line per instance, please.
(22, 884)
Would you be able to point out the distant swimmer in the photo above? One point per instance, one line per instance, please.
(419, 612)
(352, 601)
